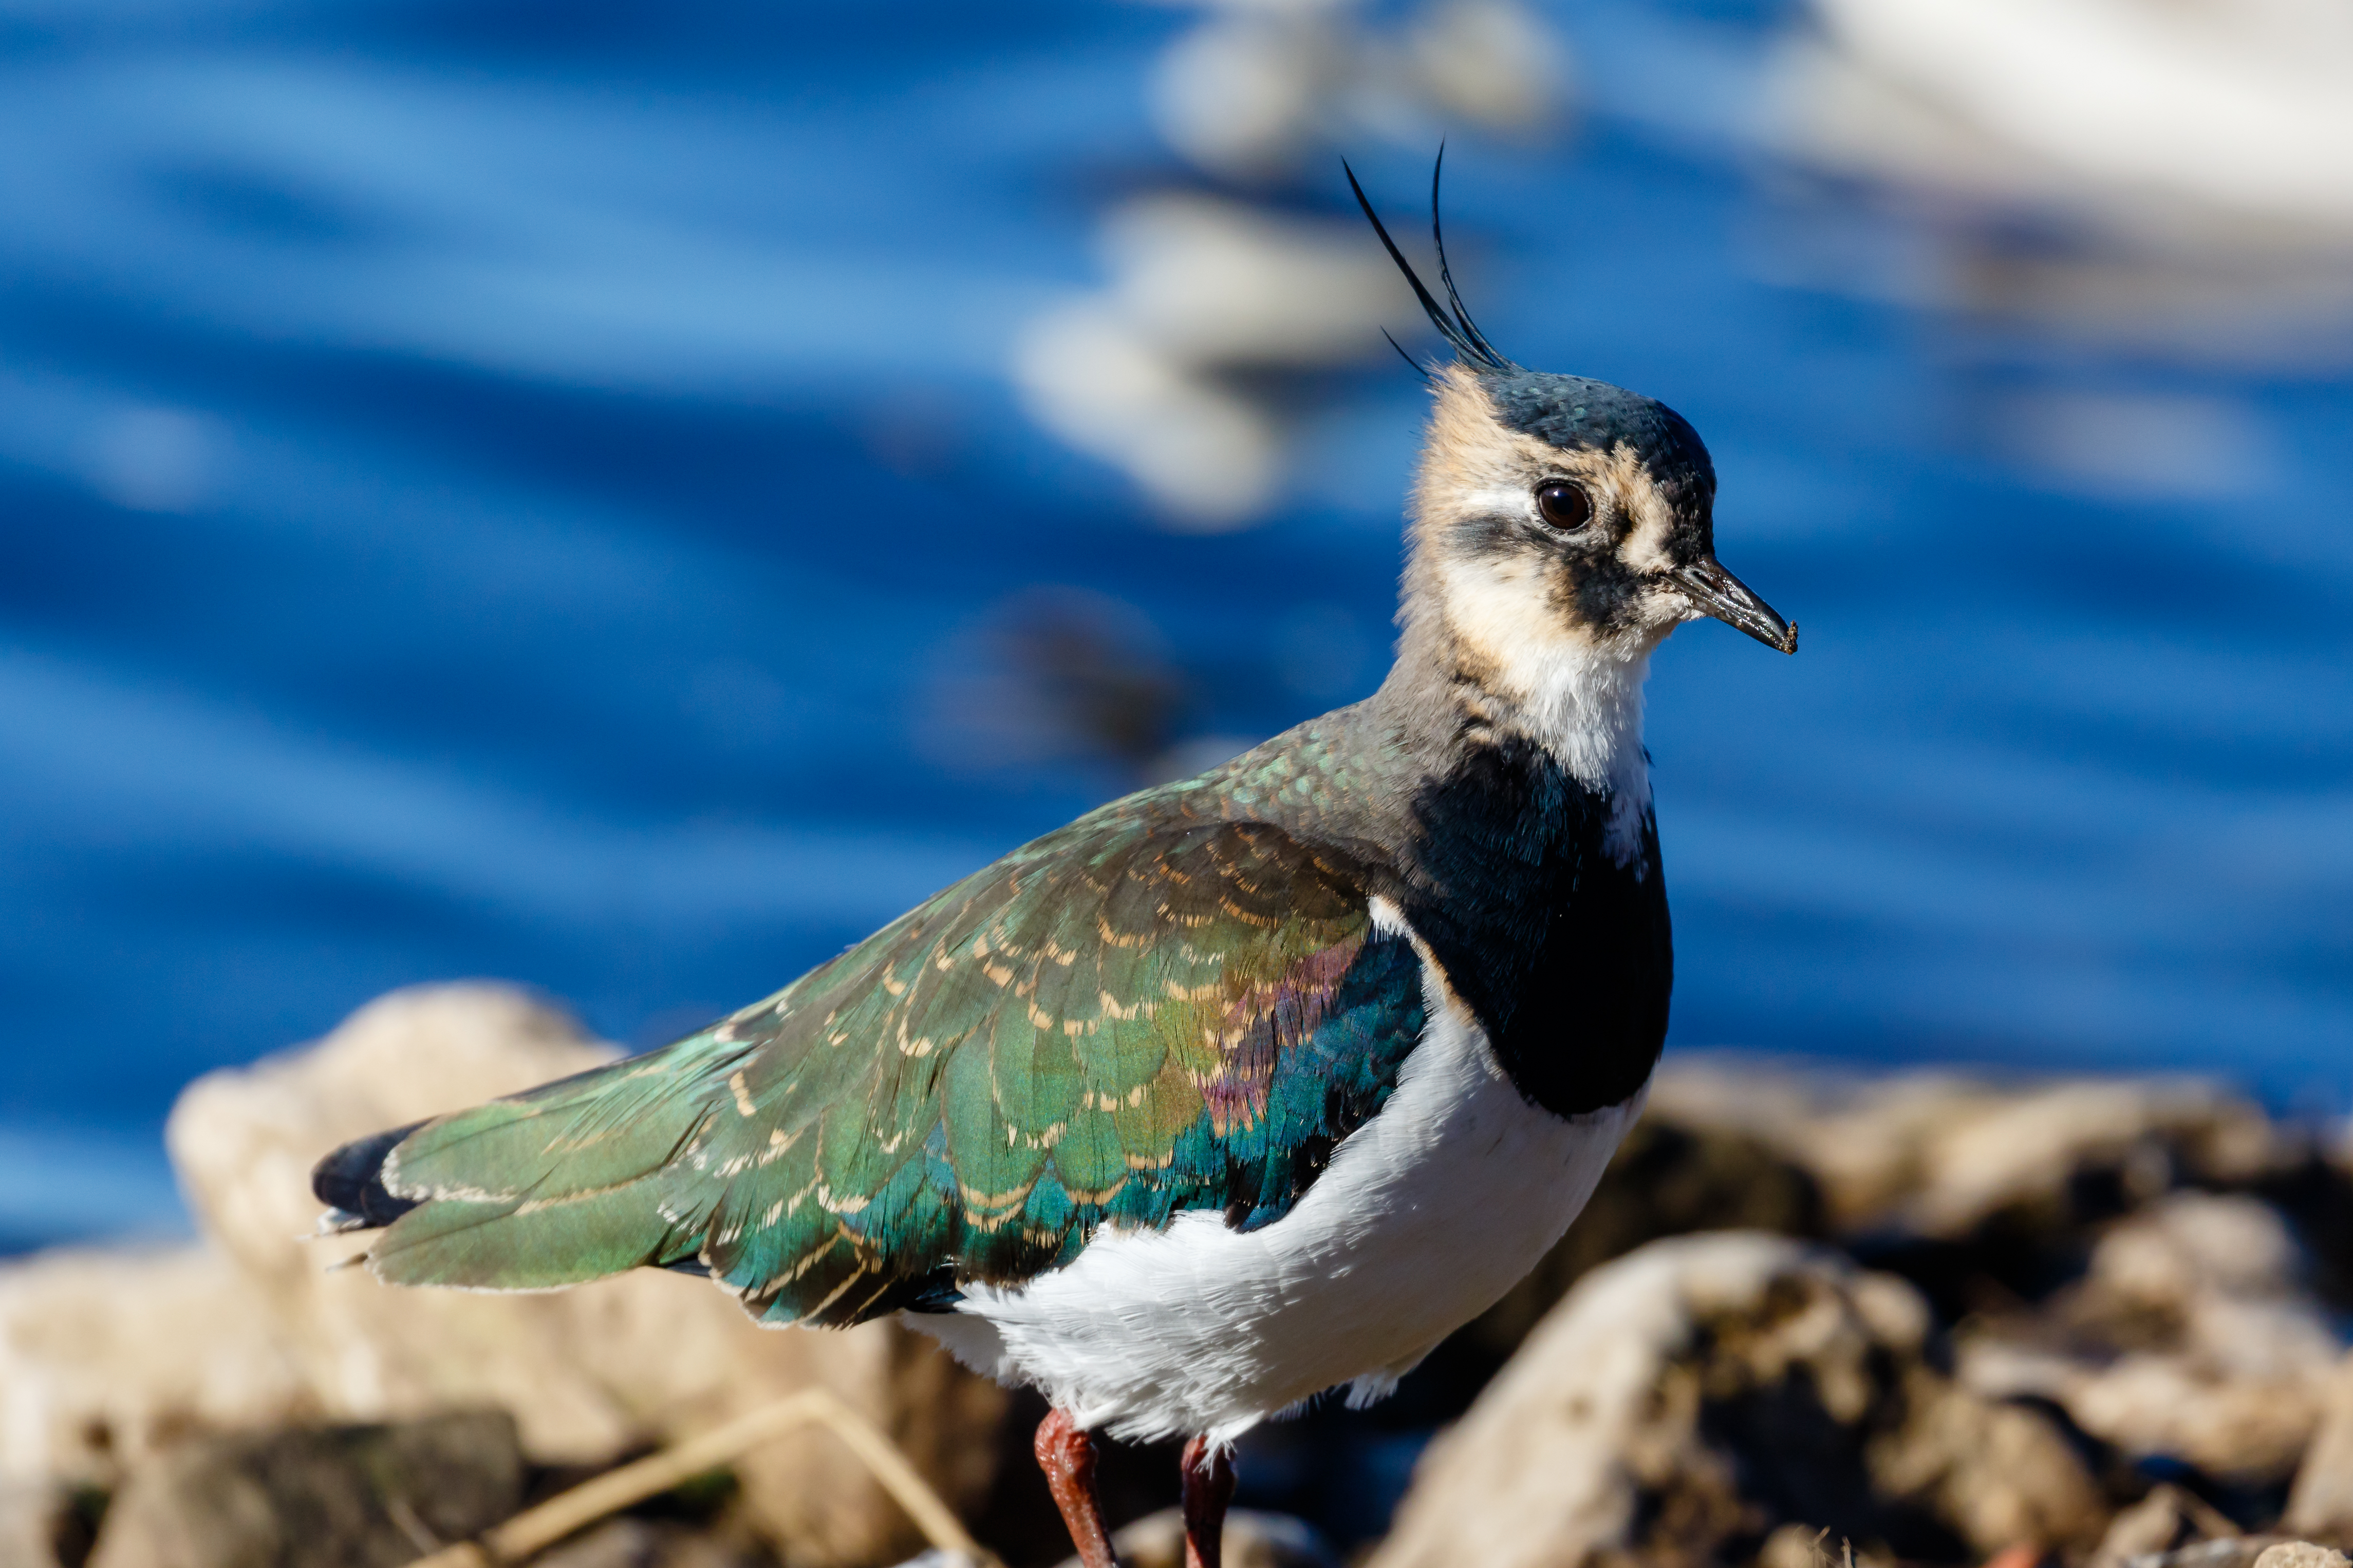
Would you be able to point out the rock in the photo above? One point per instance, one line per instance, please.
(2217, 1279)
(330, 1497)
(28, 1522)
(1794, 1546)
(1687, 1401)
(1252, 1540)
(2154, 1406)
(2241, 1431)
(2229, 1551)
(2321, 1501)
(2225, 1355)
(2190, 1337)
(1940, 1155)
(589, 1373)
(2166, 1521)
(106, 1357)
(48, 1526)
(2190, 1245)
(2301, 1554)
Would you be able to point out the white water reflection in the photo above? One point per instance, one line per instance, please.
(1181, 372)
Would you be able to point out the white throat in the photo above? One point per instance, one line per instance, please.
(1578, 698)
(1584, 705)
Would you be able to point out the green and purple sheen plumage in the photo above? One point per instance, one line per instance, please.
(1152, 1010)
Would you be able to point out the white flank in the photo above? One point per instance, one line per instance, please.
(1426, 1215)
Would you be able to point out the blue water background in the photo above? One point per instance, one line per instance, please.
(578, 443)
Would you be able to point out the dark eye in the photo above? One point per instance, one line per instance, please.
(1565, 506)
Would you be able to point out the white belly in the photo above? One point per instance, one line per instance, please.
(1426, 1215)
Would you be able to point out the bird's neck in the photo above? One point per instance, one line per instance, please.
(1526, 857)
(1578, 702)
(1506, 805)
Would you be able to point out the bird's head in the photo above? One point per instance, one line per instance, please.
(1560, 516)
(1554, 510)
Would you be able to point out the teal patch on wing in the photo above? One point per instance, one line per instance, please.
(1124, 1020)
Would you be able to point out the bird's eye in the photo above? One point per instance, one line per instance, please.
(1565, 506)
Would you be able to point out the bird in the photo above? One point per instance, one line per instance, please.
(1232, 1093)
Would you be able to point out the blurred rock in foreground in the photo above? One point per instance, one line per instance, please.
(2321, 1504)
(1686, 1403)
(107, 1356)
(2191, 1336)
(1940, 1316)
(1944, 1155)
(329, 1497)
(109, 1359)
(2170, 1519)
(1982, 1192)
(2156, 1263)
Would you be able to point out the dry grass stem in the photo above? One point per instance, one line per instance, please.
(534, 1529)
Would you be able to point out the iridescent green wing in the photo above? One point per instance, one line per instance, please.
(1139, 1015)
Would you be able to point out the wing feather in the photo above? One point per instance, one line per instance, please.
(1136, 1016)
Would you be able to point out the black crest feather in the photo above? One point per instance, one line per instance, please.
(1418, 368)
(1452, 321)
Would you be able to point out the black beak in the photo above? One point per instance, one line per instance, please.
(1728, 598)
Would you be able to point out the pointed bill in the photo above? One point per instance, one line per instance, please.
(1720, 594)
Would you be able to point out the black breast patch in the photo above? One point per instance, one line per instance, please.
(1565, 956)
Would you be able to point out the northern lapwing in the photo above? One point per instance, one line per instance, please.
(1237, 1090)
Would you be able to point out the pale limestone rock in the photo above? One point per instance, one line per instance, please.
(2192, 1244)
(107, 1356)
(1801, 1546)
(2244, 1430)
(1683, 1403)
(2321, 1502)
(2302, 1555)
(2191, 1336)
(588, 1372)
(1861, 1138)
(1939, 1153)
(38, 1528)
(2166, 1521)
(2032, 1145)
(2225, 1552)
(2224, 1276)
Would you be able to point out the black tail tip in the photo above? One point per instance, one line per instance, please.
(351, 1179)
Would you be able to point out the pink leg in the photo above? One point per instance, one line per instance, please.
(1067, 1455)
(1209, 1487)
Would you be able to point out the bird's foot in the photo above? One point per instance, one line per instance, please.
(1066, 1452)
(1209, 1471)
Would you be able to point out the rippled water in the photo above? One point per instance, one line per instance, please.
(512, 491)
